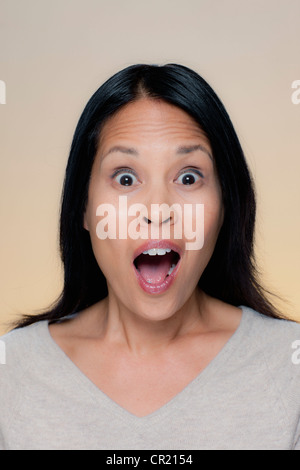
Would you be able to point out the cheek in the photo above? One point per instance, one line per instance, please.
(104, 249)
(110, 256)
(111, 253)
(101, 205)
(199, 259)
(209, 219)
(207, 231)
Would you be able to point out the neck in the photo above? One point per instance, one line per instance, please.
(142, 336)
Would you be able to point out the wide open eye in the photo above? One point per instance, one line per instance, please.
(125, 177)
(189, 177)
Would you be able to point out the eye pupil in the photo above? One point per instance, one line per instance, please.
(188, 179)
(126, 180)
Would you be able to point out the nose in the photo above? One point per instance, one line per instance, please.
(159, 221)
(161, 208)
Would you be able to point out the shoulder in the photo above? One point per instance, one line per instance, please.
(272, 330)
(275, 344)
(20, 349)
(20, 344)
(20, 352)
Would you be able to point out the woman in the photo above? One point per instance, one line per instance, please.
(154, 344)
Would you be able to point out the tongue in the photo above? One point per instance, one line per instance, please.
(154, 269)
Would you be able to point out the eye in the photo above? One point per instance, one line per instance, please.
(189, 177)
(124, 177)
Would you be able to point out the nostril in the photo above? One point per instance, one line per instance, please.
(148, 221)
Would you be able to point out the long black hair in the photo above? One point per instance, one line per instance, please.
(231, 274)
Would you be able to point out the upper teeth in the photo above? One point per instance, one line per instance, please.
(157, 251)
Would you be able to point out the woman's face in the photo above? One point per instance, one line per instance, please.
(153, 154)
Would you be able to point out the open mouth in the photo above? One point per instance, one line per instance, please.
(156, 264)
(156, 268)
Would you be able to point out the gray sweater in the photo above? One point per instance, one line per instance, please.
(248, 397)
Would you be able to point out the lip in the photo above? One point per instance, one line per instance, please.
(168, 281)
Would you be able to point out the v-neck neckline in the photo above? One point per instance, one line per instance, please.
(111, 406)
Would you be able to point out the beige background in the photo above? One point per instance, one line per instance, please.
(55, 53)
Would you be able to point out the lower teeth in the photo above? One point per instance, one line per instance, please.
(171, 269)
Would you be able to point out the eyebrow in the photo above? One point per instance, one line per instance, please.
(182, 150)
(120, 148)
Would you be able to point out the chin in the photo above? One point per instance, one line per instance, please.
(156, 309)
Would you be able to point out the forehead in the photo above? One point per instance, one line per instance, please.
(149, 120)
